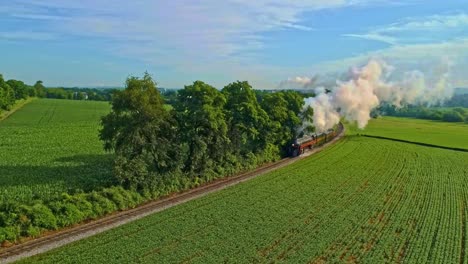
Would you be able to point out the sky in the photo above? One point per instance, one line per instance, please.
(269, 43)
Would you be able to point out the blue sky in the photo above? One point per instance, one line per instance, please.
(101, 42)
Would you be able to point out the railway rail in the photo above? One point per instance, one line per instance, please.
(72, 234)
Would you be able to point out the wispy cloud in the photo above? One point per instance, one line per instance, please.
(26, 35)
(211, 28)
(204, 37)
(419, 30)
(374, 36)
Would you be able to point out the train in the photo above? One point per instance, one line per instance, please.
(300, 145)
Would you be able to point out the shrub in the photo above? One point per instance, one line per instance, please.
(116, 197)
(66, 213)
(8, 218)
(83, 205)
(43, 217)
(9, 233)
(31, 231)
(101, 205)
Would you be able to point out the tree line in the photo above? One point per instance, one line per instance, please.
(452, 114)
(75, 93)
(207, 133)
(13, 90)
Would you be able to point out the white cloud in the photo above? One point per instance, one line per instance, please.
(186, 36)
(430, 23)
(374, 36)
(211, 28)
(213, 37)
(418, 30)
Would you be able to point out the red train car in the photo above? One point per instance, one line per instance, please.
(300, 145)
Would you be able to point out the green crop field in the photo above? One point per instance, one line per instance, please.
(424, 131)
(52, 146)
(362, 200)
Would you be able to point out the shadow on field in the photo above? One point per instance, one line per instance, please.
(85, 172)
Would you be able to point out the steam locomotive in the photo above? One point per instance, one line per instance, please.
(300, 145)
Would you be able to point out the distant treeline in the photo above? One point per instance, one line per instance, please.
(456, 114)
(459, 100)
(75, 93)
(13, 90)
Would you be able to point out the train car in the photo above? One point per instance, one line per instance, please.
(300, 145)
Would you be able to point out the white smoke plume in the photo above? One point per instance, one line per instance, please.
(369, 87)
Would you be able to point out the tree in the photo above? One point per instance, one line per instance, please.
(141, 132)
(283, 109)
(203, 127)
(20, 89)
(40, 89)
(249, 124)
(7, 95)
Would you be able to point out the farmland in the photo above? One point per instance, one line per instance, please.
(361, 200)
(52, 146)
(424, 131)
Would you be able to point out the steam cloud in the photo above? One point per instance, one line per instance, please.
(370, 86)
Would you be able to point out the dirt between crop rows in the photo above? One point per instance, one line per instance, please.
(68, 235)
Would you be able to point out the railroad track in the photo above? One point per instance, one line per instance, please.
(69, 235)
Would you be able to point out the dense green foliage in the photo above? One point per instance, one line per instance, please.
(199, 110)
(141, 132)
(424, 131)
(362, 200)
(207, 134)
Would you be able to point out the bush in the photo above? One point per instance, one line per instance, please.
(10, 233)
(101, 205)
(43, 217)
(31, 231)
(66, 213)
(116, 197)
(8, 218)
(84, 206)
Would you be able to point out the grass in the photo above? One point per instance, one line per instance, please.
(424, 131)
(52, 146)
(361, 200)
